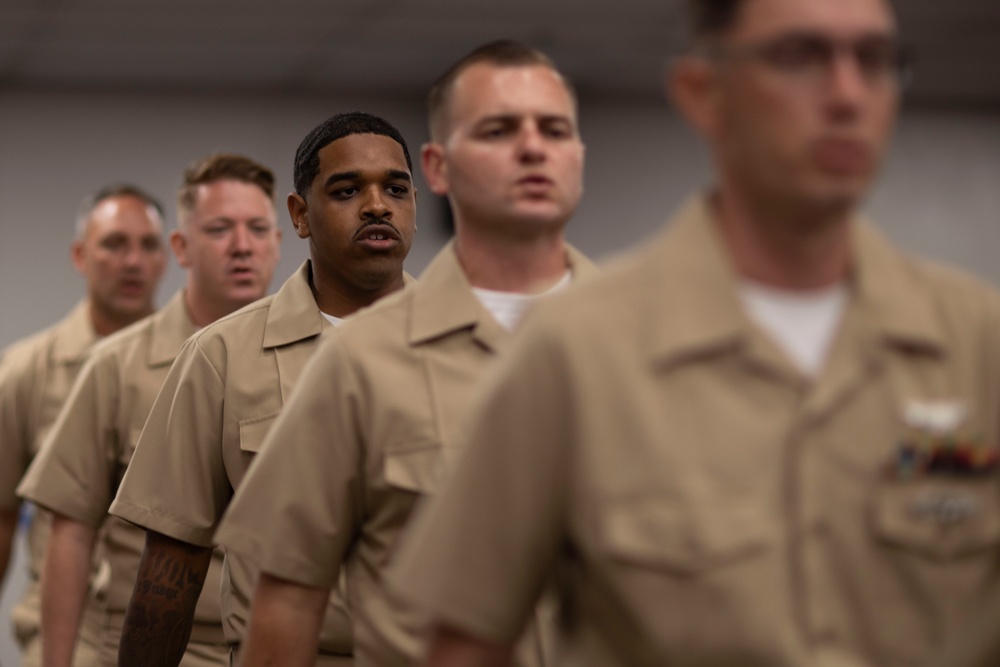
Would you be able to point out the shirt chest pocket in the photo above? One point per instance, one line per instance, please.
(941, 518)
(418, 468)
(686, 539)
(253, 432)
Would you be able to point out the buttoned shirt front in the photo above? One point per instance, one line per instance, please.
(36, 375)
(704, 503)
(81, 464)
(222, 394)
(370, 431)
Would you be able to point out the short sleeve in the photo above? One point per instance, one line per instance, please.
(477, 556)
(299, 508)
(16, 379)
(74, 473)
(176, 481)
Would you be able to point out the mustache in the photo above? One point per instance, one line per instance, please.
(384, 223)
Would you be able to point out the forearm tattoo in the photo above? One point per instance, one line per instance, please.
(159, 616)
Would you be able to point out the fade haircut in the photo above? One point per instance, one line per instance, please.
(708, 19)
(91, 202)
(221, 167)
(337, 127)
(501, 53)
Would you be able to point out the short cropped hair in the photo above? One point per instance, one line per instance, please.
(90, 202)
(501, 53)
(710, 18)
(221, 167)
(338, 127)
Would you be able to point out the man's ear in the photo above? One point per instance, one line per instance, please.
(179, 244)
(693, 86)
(297, 209)
(435, 167)
(78, 255)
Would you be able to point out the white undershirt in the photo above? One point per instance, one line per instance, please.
(335, 321)
(801, 322)
(507, 308)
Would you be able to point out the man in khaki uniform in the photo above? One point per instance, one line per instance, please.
(354, 200)
(374, 424)
(119, 251)
(227, 238)
(770, 437)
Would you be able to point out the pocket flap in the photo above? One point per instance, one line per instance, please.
(940, 518)
(419, 469)
(254, 430)
(686, 539)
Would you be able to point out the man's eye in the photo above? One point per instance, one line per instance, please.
(260, 229)
(878, 57)
(114, 243)
(215, 231)
(493, 132)
(345, 192)
(151, 245)
(398, 190)
(557, 131)
(795, 54)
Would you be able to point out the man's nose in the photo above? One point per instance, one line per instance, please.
(374, 204)
(241, 240)
(531, 143)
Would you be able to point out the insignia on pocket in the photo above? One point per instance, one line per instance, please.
(935, 446)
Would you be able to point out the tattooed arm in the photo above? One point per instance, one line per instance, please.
(161, 611)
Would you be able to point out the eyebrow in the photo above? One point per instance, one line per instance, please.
(352, 175)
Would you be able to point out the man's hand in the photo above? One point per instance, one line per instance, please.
(159, 615)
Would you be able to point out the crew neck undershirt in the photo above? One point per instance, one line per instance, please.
(335, 321)
(508, 308)
(802, 322)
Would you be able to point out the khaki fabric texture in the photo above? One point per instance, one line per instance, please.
(222, 394)
(36, 375)
(701, 502)
(369, 433)
(81, 464)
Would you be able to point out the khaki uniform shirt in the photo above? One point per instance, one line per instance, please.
(366, 436)
(224, 391)
(36, 375)
(706, 504)
(82, 462)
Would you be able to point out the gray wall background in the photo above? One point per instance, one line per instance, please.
(939, 194)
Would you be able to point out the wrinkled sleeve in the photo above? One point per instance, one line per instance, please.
(176, 482)
(16, 378)
(74, 472)
(478, 555)
(299, 508)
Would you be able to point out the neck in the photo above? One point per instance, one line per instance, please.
(528, 264)
(106, 323)
(204, 311)
(340, 298)
(785, 246)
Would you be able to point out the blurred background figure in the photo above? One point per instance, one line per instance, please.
(227, 241)
(770, 438)
(119, 251)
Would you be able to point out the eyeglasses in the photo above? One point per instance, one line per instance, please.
(809, 58)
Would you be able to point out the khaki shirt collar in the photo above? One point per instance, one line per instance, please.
(443, 301)
(75, 335)
(169, 330)
(695, 309)
(293, 314)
